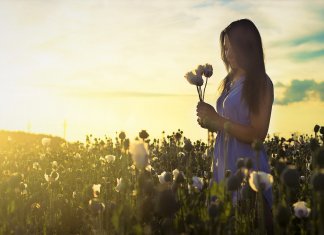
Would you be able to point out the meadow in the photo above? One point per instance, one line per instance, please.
(116, 185)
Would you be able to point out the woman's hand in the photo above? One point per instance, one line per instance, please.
(207, 116)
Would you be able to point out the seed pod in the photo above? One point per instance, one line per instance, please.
(122, 135)
(290, 177)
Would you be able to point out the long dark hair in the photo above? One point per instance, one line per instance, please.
(246, 42)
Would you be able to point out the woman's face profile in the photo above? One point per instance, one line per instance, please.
(229, 53)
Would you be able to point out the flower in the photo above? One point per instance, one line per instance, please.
(54, 164)
(139, 155)
(200, 70)
(194, 79)
(181, 154)
(96, 189)
(175, 173)
(36, 166)
(149, 168)
(165, 177)
(23, 188)
(301, 210)
(51, 176)
(208, 70)
(77, 156)
(260, 181)
(120, 185)
(110, 158)
(197, 182)
(46, 141)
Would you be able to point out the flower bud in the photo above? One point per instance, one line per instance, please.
(290, 177)
(122, 135)
(316, 128)
(143, 134)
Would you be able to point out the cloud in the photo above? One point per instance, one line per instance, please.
(300, 90)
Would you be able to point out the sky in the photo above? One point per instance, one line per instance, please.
(102, 67)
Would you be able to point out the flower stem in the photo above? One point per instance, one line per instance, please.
(198, 90)
(203, 96)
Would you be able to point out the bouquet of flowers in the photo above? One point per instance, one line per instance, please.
(196, 78)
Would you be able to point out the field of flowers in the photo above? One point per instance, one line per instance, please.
(159, 186)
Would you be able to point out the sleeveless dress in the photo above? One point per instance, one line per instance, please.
(230, 106)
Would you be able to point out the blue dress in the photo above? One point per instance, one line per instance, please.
(231, 106)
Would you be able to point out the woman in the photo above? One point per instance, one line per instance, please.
(245, 103)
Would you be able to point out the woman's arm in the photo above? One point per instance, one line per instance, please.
(256, 130)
